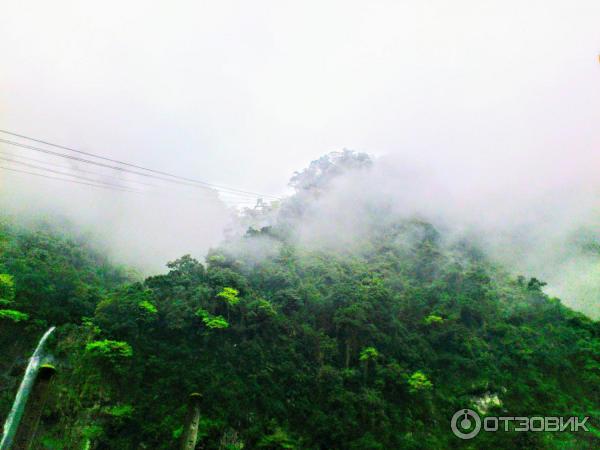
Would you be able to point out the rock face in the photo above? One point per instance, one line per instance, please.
(190, 432)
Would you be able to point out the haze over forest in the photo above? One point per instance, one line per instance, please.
(480, 115)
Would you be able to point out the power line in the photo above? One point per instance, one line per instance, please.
(76, 169)
(190, 180)
(229, 203)
(33, 166)
(233, 199)
(121, 169)
(96, 163)
(64, 179)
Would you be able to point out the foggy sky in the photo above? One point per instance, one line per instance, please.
(498, 102)
(245, 93)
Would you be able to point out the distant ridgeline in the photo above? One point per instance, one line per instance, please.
(293, 346)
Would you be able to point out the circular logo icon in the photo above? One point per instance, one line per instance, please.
(464, 420)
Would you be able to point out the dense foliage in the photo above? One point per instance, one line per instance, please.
(301, 348)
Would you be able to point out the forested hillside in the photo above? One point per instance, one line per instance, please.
(294, 346)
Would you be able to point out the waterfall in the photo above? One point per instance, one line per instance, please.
(16, 412)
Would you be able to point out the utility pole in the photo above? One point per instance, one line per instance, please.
(28, 427)
(192, 421)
